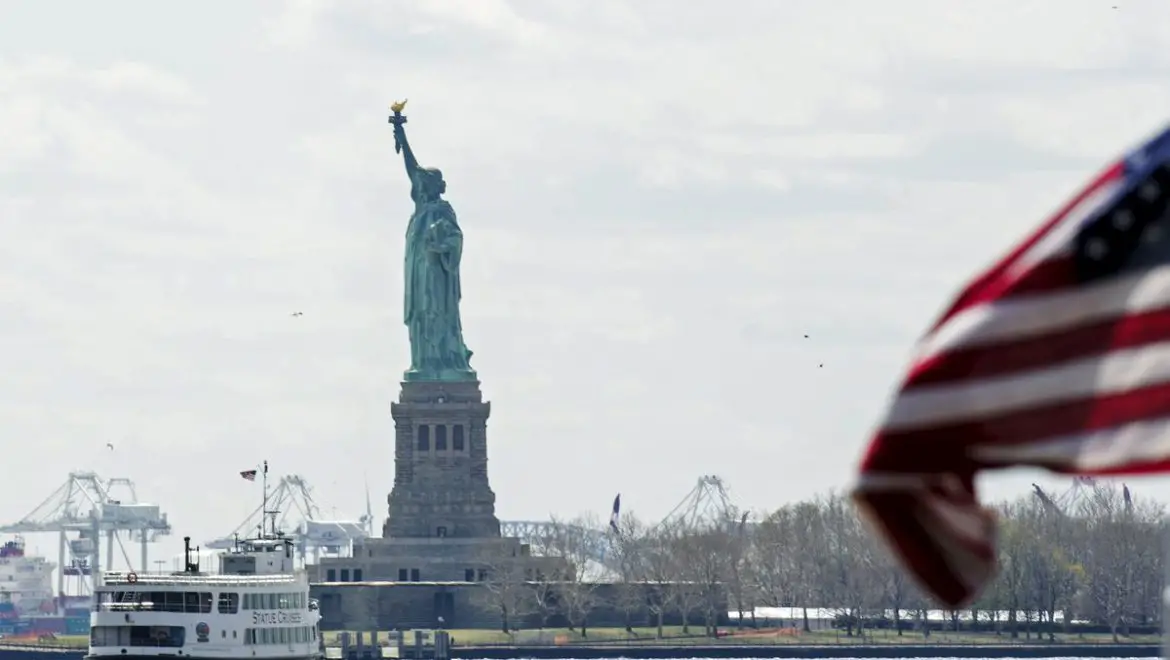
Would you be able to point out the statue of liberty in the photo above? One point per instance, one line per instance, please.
(434, 248)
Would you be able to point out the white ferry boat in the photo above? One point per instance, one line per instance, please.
(257, 606)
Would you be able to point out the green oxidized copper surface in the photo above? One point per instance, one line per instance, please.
(433, 290)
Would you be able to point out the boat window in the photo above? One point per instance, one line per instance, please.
(156, 601)
(290, 635)
(173, 601)
(229, 603)
(191, 601)
(152, 636)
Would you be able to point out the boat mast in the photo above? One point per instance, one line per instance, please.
(264, 502)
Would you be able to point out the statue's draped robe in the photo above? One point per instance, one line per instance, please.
(434, 247)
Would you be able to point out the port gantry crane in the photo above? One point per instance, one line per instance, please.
(89, 505)
(1071, 501)
(292, 511)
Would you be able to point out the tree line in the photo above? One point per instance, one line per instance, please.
(1096, 562)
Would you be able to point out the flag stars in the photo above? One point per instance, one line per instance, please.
(1153, 234)
(1150, 191)
(1096, 248)
(1123, 219)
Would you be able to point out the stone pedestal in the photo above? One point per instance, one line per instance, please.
(440, 463)
(441, 543)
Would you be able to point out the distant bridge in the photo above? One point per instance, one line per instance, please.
(707, 503)
(594, 543)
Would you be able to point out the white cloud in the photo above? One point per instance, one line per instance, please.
(138, 77)
(660, 200)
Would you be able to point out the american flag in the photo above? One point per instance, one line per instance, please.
(1057, 357)
(613, 515)
(250, 475)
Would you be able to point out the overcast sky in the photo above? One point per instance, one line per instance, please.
(660, 199)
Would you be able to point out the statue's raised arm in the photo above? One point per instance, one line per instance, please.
(398, 120)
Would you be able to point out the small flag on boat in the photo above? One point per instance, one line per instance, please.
(613, 516)
(1057, 357)
(250, 475)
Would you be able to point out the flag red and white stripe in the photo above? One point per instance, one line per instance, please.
(1041, 361)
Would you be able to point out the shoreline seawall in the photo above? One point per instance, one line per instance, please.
(662, 652)
(35, 653)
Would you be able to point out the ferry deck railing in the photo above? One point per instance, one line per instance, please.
(212, 579)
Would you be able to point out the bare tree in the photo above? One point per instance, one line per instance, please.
(686, 594)
(1122, 546)
(659, 571)
(704, 567)
(580, 573)
(504, 585)
(848, 561)
(896, 591)
(629, 545)
(1095, 558)
(775, 562)
(544, 588)
(739, 582)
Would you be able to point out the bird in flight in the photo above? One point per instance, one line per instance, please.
(298, 313)
(110, 446)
